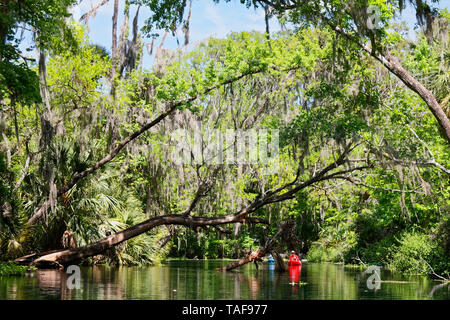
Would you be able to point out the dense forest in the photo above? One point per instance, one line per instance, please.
(355, 114)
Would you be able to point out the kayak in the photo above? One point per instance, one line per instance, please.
(294, 274)
(294, 263)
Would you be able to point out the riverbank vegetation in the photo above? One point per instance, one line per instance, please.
(92, 170)
(13, 269)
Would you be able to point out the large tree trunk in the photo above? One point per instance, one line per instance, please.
(279, 263)
(393, 65)
(256, 256)
(114, 38)
(42, 209)
(75, 255)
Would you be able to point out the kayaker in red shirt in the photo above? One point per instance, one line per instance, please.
(294, 260)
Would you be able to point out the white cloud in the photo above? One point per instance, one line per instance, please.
(256, 15)
(86, 5)
(212, 15)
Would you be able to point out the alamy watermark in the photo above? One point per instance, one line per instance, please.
(374, 280)
(211, 146)
(74, 280)
(374, 17)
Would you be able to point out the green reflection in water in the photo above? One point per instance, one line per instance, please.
(193, 280)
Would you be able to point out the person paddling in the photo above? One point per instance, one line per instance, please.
(294, 260)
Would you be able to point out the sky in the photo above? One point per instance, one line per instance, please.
(208, 19)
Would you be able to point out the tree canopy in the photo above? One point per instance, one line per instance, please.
(131, 162)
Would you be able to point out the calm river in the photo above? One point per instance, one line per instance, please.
(199, 280)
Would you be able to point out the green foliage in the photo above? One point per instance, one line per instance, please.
(13, 269)
(320, 91)
(412, 252)
(46, 18)
(75, 79)
(317, 254)
(19, 82)
(377, 252)
(415, 253)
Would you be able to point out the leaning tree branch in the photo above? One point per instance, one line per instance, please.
(92, 13)
(42, 209)
(389, 61)
(360, 183)
(320, 176)
(257, 255)
(242, 216)
(66, 257)
(422, 163)
(432, 270)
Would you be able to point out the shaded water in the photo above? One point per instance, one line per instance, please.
(199, 280)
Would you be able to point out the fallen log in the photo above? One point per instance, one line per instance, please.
(256, 256)
(279, 263)
(28, 259)
(75, 255)
(285, 192)
(252, 257)
(42, 210)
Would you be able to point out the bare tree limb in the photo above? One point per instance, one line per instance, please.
(73, 255)
(257, 255)
(408, 162)
(433, 272)
(172, 106)
(92, 13)
(242, 216)
(389, 61)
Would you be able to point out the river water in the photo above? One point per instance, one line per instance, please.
(199, 279)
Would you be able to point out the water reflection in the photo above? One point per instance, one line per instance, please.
(271, 271)
(200, 280)
(294, 274)
(437, 287)
(52, 282)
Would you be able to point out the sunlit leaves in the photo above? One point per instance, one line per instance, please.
(74, 78)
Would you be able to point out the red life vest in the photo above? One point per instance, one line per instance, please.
(294, 260)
